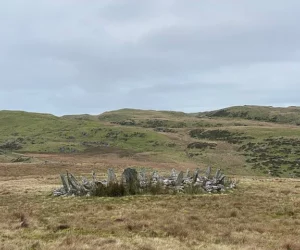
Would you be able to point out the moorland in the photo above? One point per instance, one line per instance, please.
(259, 146)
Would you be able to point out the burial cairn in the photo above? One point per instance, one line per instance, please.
(133, 182)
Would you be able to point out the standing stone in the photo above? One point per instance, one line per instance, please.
(187, 174)
(222, 179)
(130, 180)
(142, 174)
(155, 176)
(195, 176)
(142, 178)
(179, 179)
(94, 177)
(208, 172)
(218, 174)
(111, 177)
(174, 174)
(65, 183)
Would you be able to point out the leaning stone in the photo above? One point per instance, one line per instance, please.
(65, 183)
(72, 181)
(179, 179)
(195, 176)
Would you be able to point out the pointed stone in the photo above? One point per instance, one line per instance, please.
(174, 174)
(187, 174)
(208, 172)
(195, 176)
(94, 176)
(179, 178)
(155, 175)
(111, 177)
(142, 175)
(218, 174)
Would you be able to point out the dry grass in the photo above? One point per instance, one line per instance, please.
(261, 214)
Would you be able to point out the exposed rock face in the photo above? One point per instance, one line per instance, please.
(137, 183)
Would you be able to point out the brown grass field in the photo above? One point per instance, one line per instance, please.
(262, 213)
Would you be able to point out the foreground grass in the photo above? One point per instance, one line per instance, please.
(260, 214)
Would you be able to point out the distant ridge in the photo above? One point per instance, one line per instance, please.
(289, 115)
(283, 115)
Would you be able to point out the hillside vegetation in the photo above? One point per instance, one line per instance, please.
(246, 140)
(259, 113)
(263, 212)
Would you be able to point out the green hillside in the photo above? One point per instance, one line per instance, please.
(240, 140)
(31, 132)
(258, 113)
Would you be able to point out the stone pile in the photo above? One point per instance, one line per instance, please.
(139, 182)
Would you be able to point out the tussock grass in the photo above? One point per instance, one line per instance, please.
(261, 214)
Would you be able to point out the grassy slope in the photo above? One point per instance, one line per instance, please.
(163, 136)
(47, 133)
(260, 113)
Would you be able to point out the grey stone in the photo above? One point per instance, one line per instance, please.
(187, 174)
(195, 176)
(174, 174)
(208, 172)
(111, 176)
(130, 180)
(65, 183)
(179, 178)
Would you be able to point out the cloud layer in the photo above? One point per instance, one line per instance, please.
(75, 56)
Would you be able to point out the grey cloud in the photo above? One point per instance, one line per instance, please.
(80, 56)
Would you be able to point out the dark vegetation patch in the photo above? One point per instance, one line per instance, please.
(119, 189)
(67, 149)
(197, 148)
(259, 113)
(164, 130)
(121, 135)
(126, 123)
(155, 123)
(205, 124)
(219, 135)
(274, 156)
(152, 123)
(14, 144)
(202, 145)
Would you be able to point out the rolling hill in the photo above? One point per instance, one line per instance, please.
(289, 115)
(246, 140)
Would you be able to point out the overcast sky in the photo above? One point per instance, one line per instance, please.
(79, 56)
